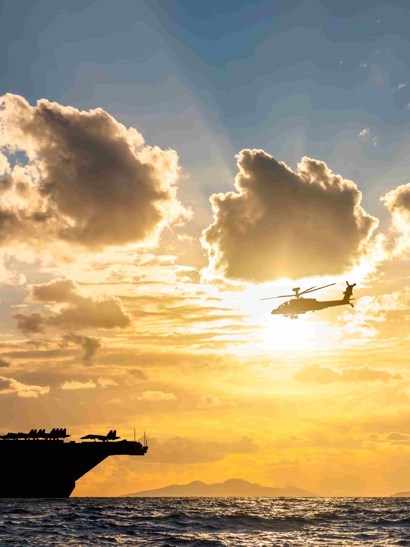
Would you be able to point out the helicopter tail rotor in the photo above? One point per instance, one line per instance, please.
(348, 292)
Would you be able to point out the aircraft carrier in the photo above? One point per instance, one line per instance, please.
(44, 465)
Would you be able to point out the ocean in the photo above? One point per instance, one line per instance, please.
(205, 522)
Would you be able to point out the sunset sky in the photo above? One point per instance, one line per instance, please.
(164, 165)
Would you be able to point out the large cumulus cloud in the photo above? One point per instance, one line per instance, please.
(398, 203)
(282, 223)
(88, 181)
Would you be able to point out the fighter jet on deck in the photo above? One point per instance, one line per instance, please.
(55, 434)
(111, 436)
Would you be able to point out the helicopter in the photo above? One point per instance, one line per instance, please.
(293, 308)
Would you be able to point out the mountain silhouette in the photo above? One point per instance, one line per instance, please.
(401, 495)
(230, 488)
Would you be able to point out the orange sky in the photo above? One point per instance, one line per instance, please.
(125, 305)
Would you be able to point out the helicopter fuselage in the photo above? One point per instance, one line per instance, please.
(303, 305)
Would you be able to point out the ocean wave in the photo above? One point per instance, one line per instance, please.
(205, 522)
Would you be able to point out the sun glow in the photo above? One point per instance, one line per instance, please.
(283, 334)
(279, 333)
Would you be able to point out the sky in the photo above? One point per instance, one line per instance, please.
(165, 165)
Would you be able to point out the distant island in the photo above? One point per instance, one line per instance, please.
(230, 488)
(401, 495)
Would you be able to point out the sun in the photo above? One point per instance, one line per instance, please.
(283, 334)
(279, 333)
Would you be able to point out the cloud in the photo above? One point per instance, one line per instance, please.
(398, 437)
(10, 385)
(380, 77)
(137, 373)
(90, 345)
(156, 396)
(106, 382)
(191, 275)
(327, 375)
(75, 384)
(4, 363)
(33, 323)
(57, 290)
(398, 203)
(4, 168)
(89, 181)
(400, 86)
(183, 450)
(79, 313)
(210, 401)
(280, 223)
(365, 134)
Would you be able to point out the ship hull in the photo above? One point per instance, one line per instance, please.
(50, 469)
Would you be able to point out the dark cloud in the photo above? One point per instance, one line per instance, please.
(327, 375)
(99, 314)
(106, 313)
(182, 450)
(137, 373)
(4, 363)
(92, 182)
(4, 384)
(79, 313)
(282, 223)
(33, 323)
(38, 355)
(90, 345)
(38, 343)
(57, 290)
(398, 437)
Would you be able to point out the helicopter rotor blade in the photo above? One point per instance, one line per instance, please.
(282, 296)
(318, 289)
(307, 290)
(311, 289)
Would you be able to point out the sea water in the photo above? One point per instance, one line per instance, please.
(205, 522)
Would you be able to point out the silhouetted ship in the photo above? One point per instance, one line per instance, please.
(42, 465)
